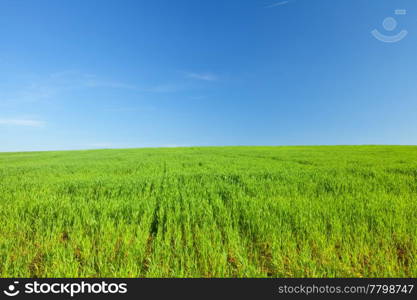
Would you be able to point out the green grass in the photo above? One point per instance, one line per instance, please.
(342, 211)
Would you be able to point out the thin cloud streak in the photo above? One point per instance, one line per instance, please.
(59, 84)
(22, 122)
(277, 4)
(202, 76)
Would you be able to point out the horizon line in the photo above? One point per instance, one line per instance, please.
(208, 146)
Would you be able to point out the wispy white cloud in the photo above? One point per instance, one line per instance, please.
(278, 4)
(95, 82)
(164, 88)
(22, 122)
(30, 93)
(60, 84)
(76, 79)
(41, 88)
(147, 108)
(202, 76)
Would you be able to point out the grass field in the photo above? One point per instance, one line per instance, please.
(345, 211)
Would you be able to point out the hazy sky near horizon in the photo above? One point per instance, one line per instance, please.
(116, 74)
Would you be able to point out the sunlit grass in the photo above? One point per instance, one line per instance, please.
(341, 211)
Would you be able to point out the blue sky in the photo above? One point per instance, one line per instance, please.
(118, 74)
